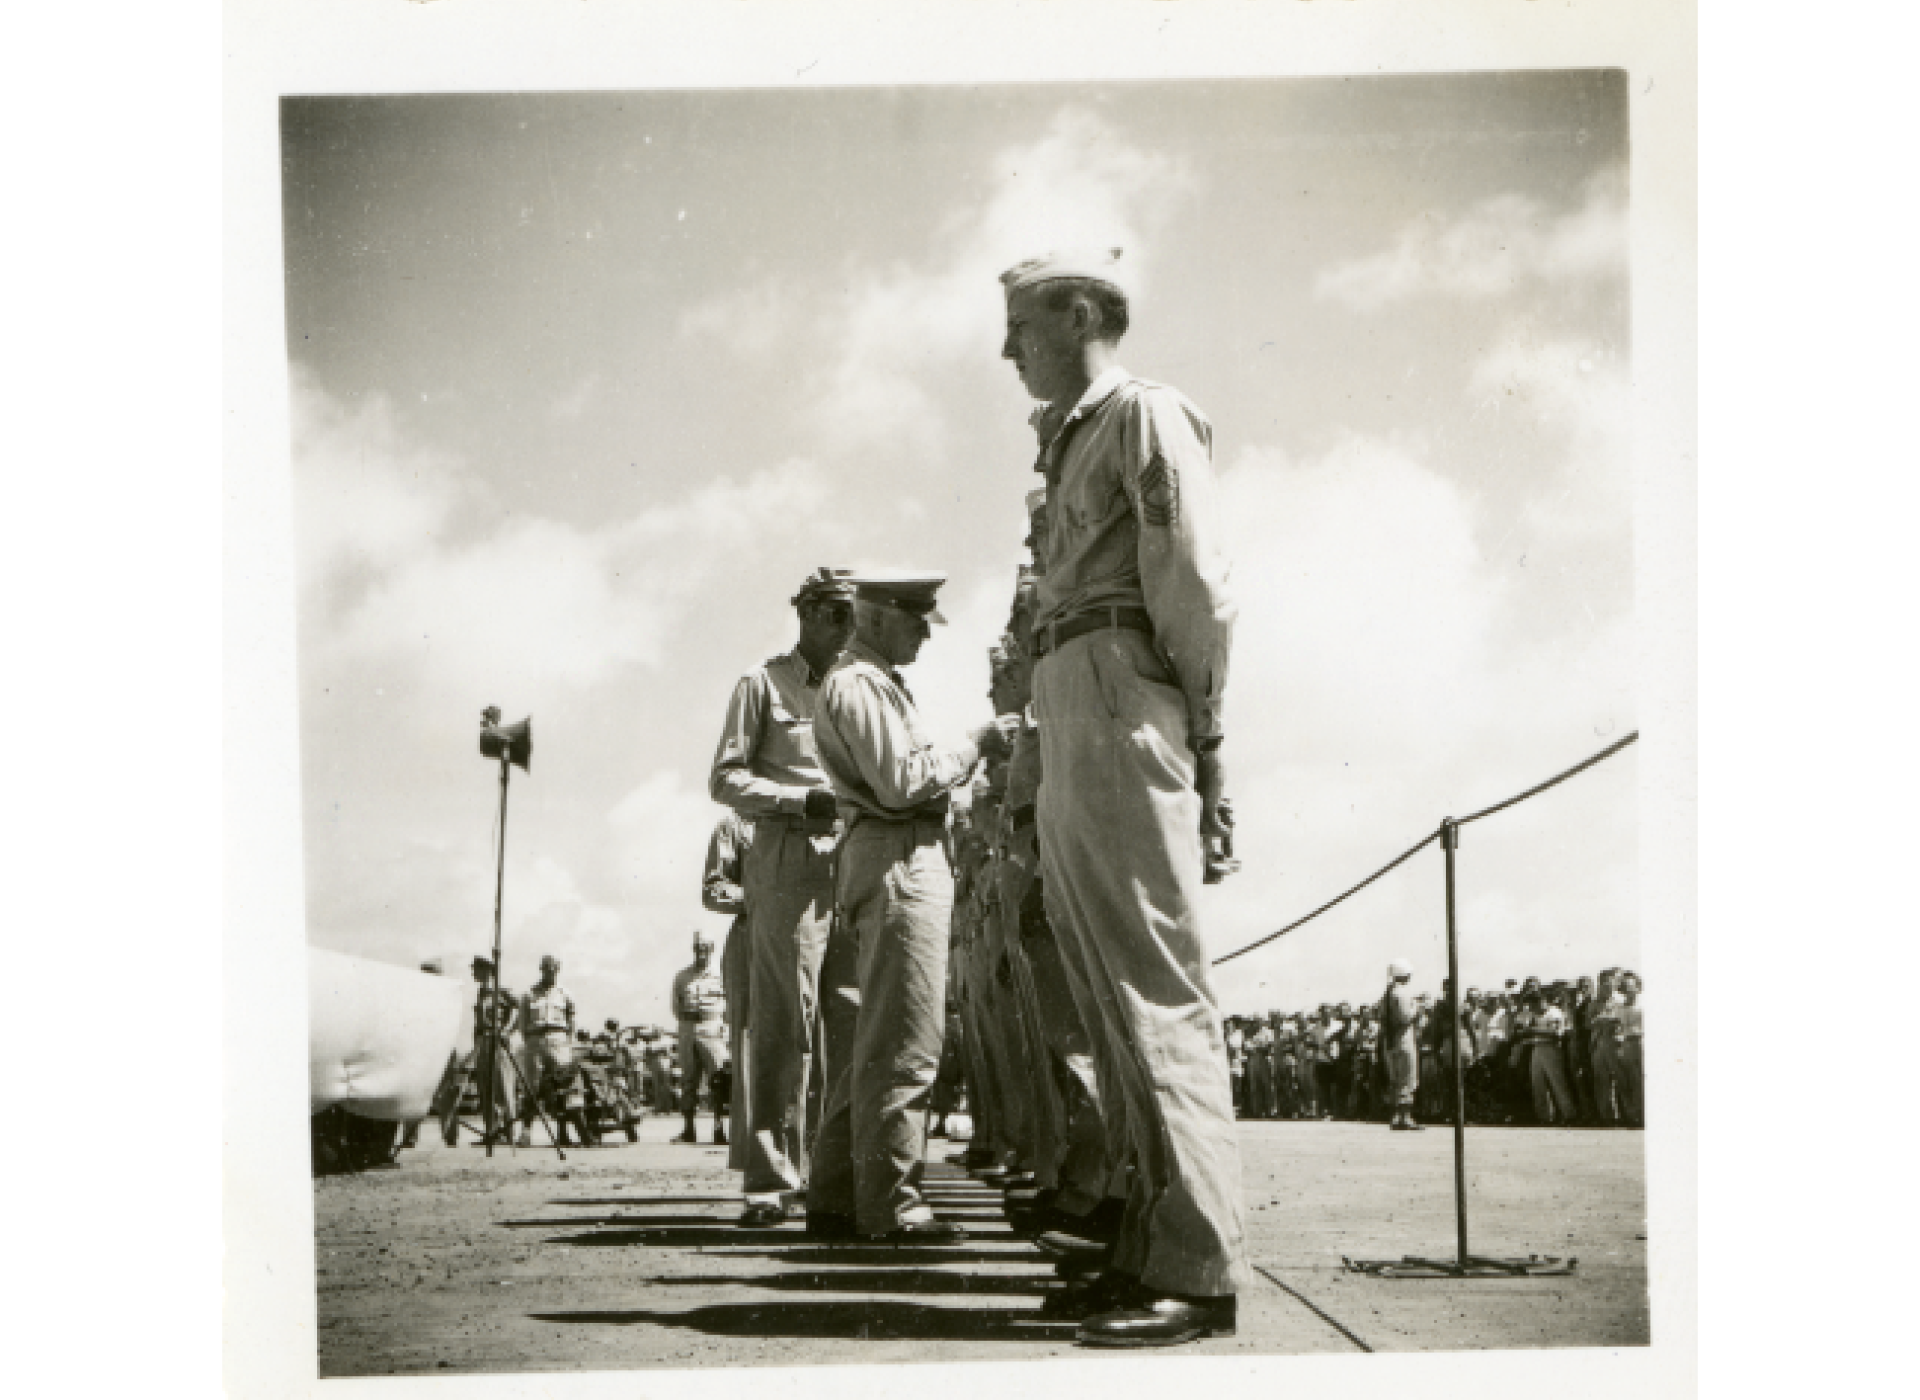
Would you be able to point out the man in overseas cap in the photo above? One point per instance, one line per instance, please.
(1133, 626)
(883, 986)
(766, 770)
(1400, 1034)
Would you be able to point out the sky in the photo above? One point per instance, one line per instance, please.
(583, 385)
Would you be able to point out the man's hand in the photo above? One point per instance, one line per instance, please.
(1216, 817)
(1210, 781)
(821, 805)
(996, 740)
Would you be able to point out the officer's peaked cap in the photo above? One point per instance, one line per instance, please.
(909, 590)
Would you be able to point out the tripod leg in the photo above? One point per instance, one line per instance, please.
(533, 1099)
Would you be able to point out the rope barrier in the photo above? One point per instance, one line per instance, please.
(1605, 753)
(1400, 859)
(1428, 840)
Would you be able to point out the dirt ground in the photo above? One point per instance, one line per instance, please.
(627, 1257)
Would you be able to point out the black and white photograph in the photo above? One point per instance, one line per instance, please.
(642, 415)
(974, 721)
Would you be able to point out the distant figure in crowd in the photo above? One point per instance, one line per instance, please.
(1398, 1033)
(766, 769)
(700, 1004)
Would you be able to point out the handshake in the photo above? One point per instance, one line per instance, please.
(995, 740)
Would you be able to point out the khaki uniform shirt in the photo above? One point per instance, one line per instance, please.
(1133, 521)
(766, 762)
(548, 1010)
(699, 995)
(871, 745)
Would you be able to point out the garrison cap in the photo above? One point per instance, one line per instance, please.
(1092, 264)
(825, 585)
(905, 589)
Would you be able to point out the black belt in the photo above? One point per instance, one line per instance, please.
(1053, 634)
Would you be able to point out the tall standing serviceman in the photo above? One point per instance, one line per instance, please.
(766, 769)
(1133, 628)
(886, 967)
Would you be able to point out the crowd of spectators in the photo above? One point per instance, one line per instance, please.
(1565, 1054)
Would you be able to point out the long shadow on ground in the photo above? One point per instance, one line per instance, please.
(876, 1321)
(863, 1255)
(930, 1281)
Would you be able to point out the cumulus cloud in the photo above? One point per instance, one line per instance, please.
(1493, 249)
(888, 336)
(364, 500)
(520, 603)
(1379, 684)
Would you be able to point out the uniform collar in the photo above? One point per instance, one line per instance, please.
(858, 650)
(1050, 420)
(799, 663)
(1098, 392)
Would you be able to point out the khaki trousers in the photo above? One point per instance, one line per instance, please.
(887, 963)
(789, 893)
(1553, 1100)
(1403, 1068)
(736, 975)
(1609, 1087)
(1120, 847)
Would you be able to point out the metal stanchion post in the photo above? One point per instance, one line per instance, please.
(1449, 843)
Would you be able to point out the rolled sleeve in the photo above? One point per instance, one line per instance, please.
(1170, 481)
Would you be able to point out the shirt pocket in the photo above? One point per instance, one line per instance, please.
(796, 730)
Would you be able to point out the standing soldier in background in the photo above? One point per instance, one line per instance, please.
(766, 770)
(1400, 1038)
(700, 1005)
(886, 968)
(546, 1033)
(1133, 626)
(723, 891)
(493, 1021)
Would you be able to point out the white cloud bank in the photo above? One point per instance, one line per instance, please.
(894, 330)
(406, 567)
(1496, 247)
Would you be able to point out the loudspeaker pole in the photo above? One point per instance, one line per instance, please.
(493, 1033)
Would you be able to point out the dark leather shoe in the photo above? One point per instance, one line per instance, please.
(1091, 1297)
(762, 1217)
(1165, 1321)
(922, 1232)
(825, 1225)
